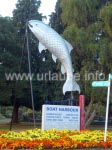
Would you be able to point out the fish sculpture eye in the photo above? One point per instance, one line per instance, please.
(30, 25)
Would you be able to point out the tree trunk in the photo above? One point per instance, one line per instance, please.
(89, 109)
(88, 122)
(90, 119)
(15, 112)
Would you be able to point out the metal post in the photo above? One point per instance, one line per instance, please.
(107, 109)
(82, 116)
(30, 77)
(71, 99)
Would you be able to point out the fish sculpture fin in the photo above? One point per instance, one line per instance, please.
(41, 47)
(54, 58)
(63, 69)
(70, 85)
(69, 46)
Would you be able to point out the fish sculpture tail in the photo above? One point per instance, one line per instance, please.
(70, 85)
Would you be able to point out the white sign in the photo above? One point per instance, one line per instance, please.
(60, 117)
(111, 76)
(100, 83)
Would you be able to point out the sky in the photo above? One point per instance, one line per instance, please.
(7, 6)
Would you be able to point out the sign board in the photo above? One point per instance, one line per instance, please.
(105, 84)
(60, 117)
(100, 83)
(111, 76)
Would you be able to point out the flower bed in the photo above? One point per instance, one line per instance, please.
(54, 139)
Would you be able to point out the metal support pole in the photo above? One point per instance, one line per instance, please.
(30, 76)
(71, 99)
(107, 109)
(82, 116)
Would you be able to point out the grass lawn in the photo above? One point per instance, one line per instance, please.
(5, 125)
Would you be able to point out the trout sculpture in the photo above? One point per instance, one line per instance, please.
(59, 47)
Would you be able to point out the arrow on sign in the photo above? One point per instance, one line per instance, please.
(100, 83)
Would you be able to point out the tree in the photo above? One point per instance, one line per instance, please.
(25, 11)
(55, 19)
(12, 37)
(82, 13)
(8, 57)
(89, 31)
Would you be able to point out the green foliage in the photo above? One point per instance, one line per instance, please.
(106, 17)
(85, 30)
(85, 24)
(88, 29)
(12, 37)
(80, 12)
(25, 11)
(55, 19)
(9, 57)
